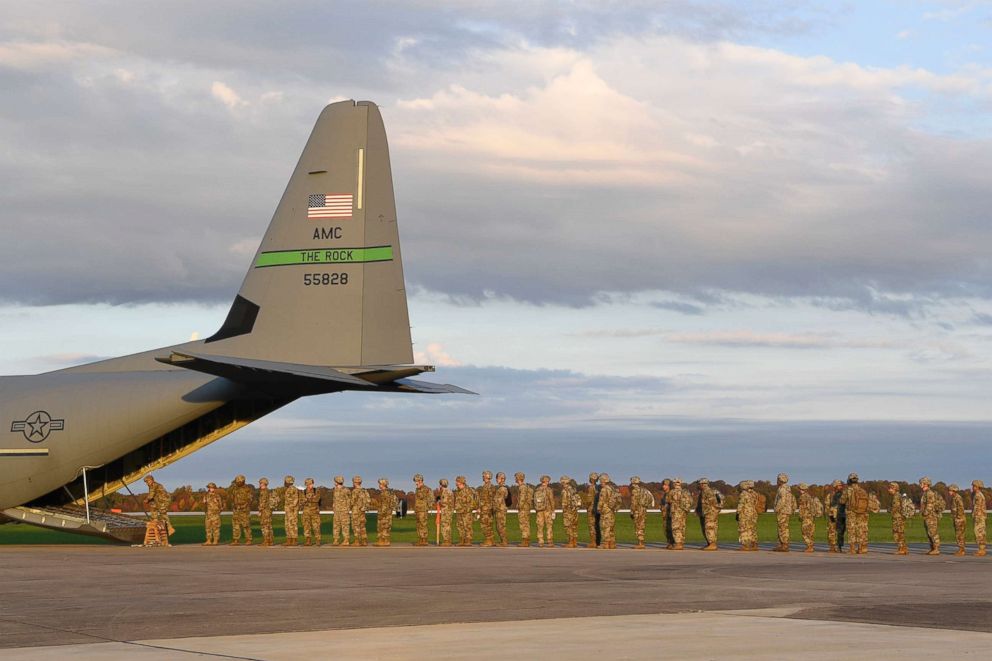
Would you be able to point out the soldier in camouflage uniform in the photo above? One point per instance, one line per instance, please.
(525, 503)
(341, 504)
(609, 497)
(570, 503)
(360, 504)
(785, 507)
(502, 495)
(856, 502)
(932, 508)
(978, 514)
(486, 493)
(240, 494)
(158, 500)
(638, 509)
(266, 503)
(680, 503)
(807, 515)
(311, 513)
(291, 511)
(592, 510)
(544, 504)
(384, 515)
(898, 520)
(747, 516)
(465, 505)
(836, 517)
(666, 513)
(446, 503)
(958, 515)
(708, 511)
(212, 505)
(423, 498)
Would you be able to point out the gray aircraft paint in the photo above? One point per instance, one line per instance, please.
(323, 302)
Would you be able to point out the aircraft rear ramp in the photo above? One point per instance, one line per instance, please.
(70, 518)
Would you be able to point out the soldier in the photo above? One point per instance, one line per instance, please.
(836, 517)
(898, 519)
(856, 501)
(212, 505)
(311, 513)
(666, 513)
(747, 516)
(785, 507)
(446, 505)
(266, 503)
(640, 500)
(592, 510)
(609, 503)
(158, 500)
(502, 499)
(291, 511)
(360, 504)
(486, 494)
(544, 503)
(570, 503)
(240, 494)
(957, 514)
(680, 504)
(422, 499)
(384, 515)
(708, 511)
(341, 504)
(525, 503)
(465, 505)
(807, 515)
(932, 508)
(978, 514)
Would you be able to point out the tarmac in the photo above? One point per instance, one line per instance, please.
(104, 602)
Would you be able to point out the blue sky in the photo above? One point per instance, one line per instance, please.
(695, 237)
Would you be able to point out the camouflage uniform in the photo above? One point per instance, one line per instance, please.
(836, 517)
(666, 513)
(486, 493)
(502, 494)
(291, 511)
(898, 520)
(958, 515)
(544, 503)
(266, 503)
(608, 505)
(241, 510)
(159, 501)
(341, 504)
(384, 515)
(855, 498)
(708, 510)
(570, 503)
(785, 507)
(592, 510)
(212, 505)
(639, 497)
(525, 503)
(679, 505)
(360, 504)
(423, 498)
(747, 516)
(465, 504)
(807, 515)
(446, 505)
(978, 514)
(932, 508)
(311, 513)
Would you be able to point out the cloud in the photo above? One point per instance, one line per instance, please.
(775, 340)
(226, 95)
(435, 354)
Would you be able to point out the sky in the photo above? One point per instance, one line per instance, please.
(668, 238)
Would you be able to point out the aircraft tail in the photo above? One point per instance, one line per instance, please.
(326, 285)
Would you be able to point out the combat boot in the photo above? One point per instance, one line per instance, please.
(960, 550)
(306, 542)
(591, 545)
(862, 549)
(572, 543)
(809, 549)
(833, 549)
(678, 547)
(981, 550)
(902, 550)
(710, 547)
(669, 547)
(781, 548)
(934, 550)
(235, 543)
(488, 541)
(640, 544)
(525, 542)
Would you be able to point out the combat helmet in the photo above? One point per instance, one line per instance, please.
(211, 485)
(604, 477)
(288, 480)
(783, 478)
(443, 482)
(339, 479)
(418, 478)
(635, 480)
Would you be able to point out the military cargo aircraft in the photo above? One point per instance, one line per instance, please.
(322, 309)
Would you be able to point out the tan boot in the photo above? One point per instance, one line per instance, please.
(863, 549)
(833, 549)
(935, 550)
(487, 542)
(678, 547)
(781, 548)
(591, 545)
(525, 542)
(960, 550)
(809, 549)
(902, 550)
(640, 544)
(981, 550)
(235, 543)
(710, 547)
(306, 542)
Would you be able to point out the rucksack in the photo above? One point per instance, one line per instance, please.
(647, 498)
(616, 501)
(817, 508)
(540, 499)
(874, 506)
(859, 501)
(576, 500)
(686, 501)
(908, 508)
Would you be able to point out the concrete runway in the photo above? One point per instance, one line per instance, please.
(240, 601)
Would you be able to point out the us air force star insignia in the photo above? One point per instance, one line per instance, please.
(37, 426)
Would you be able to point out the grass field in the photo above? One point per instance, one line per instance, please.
(189, 530)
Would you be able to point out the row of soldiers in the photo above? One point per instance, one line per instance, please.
(845, 506)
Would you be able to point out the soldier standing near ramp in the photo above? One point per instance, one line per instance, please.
(609, 503)
(422, 500)
(747, 516)
(212, 505)
(311, 513)
(932, 508)
(785, 507)
(957, 514)
(708, 510)
(640, 500)
(680, 504)
(898, 512)
(291, 511)
(592, 510)
(384, 515)
(570, 503)
(856, 501)
(158, 500)
(446, 505)
(807, 515)
(836, 517)
(465, 504)
(241, 515)
(360, 504)
(486, 494)
(341, 504)
(266, 503)
(525, 503)
(544, 504)
(978, 514)
(502, 500)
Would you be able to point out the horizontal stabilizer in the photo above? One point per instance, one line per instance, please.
(409, 385)
(265, 372)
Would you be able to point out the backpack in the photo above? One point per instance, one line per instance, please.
(616, 501)
(646, 499)
(859, 501)
(686, 503)
(817, 508)
(908, 508)
(576, 500)
(540, 499)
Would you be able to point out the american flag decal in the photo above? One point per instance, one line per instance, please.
(329, 205)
